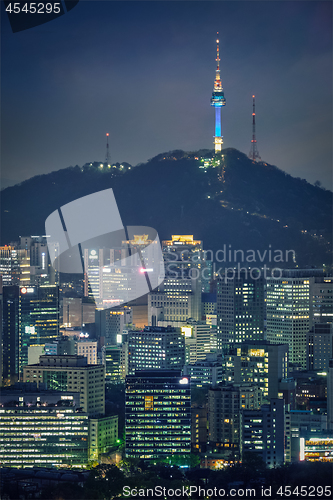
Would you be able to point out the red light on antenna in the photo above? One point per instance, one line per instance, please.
(253, 96)
(107, 135)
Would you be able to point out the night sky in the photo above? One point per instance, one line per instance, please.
(144, 72)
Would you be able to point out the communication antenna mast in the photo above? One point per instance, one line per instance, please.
(107, 157)
(254, 153)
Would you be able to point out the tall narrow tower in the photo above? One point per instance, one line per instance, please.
(254, 153)
(107, 156)
(218, 101)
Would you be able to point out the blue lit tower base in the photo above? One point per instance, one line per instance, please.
(218, 100)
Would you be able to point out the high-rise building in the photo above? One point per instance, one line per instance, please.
(110, 324)
(10, 334)
(319, 344)
(197, 340)
(330, 396)
(103, 435)
(199, 428)
(40, 269)
(14, 265)
(322, 300)
(155, 347)
(157, 414)
(224, 406)
(116, 366)
(71, 373)
(240, 309)
(181, 254)
(38, 318)
(288, 314)
(112, 276)
(260, 363)
(178, 298)
(42, 428)
(1, 334)
(263, 432)
(205, 373)
(88, 349)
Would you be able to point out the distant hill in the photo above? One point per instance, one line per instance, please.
(241, 203)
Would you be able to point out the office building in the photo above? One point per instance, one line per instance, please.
(14, 266)
(319, 344)
(263, 432)
(116, 363)
(330, 396)
(260, 363)
(111, 274)
(197, 336)
(322, 300)
(38, 318)
(288, 315)
(42, 429)
(71, 373)
(205, 373)
(10, 334)
(38, 258)
(199, 430)
(88, 349)
(224, 406)
(240, 309)
(155, 347)
(157, 414)
(111, 323)
(103, 435)
(176, 299)
(71, 312)
(208, 301)
(181, 254)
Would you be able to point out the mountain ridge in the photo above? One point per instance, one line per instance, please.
(227, 199)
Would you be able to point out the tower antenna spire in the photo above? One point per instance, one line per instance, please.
(254, 153)
(218, 100)
(107, 156)
(218, 52)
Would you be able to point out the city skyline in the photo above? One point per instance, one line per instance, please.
(147, 78)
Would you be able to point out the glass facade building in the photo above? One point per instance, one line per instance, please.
(156, 347)
(157, 414)
(38, 317)
(240, 310)
(43, 436)
(10, 334)
(288, 315)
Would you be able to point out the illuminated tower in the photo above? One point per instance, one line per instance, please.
(107, 157)
(218, 101)
(254, 153)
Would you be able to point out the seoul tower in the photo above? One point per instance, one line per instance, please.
(218, 101)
